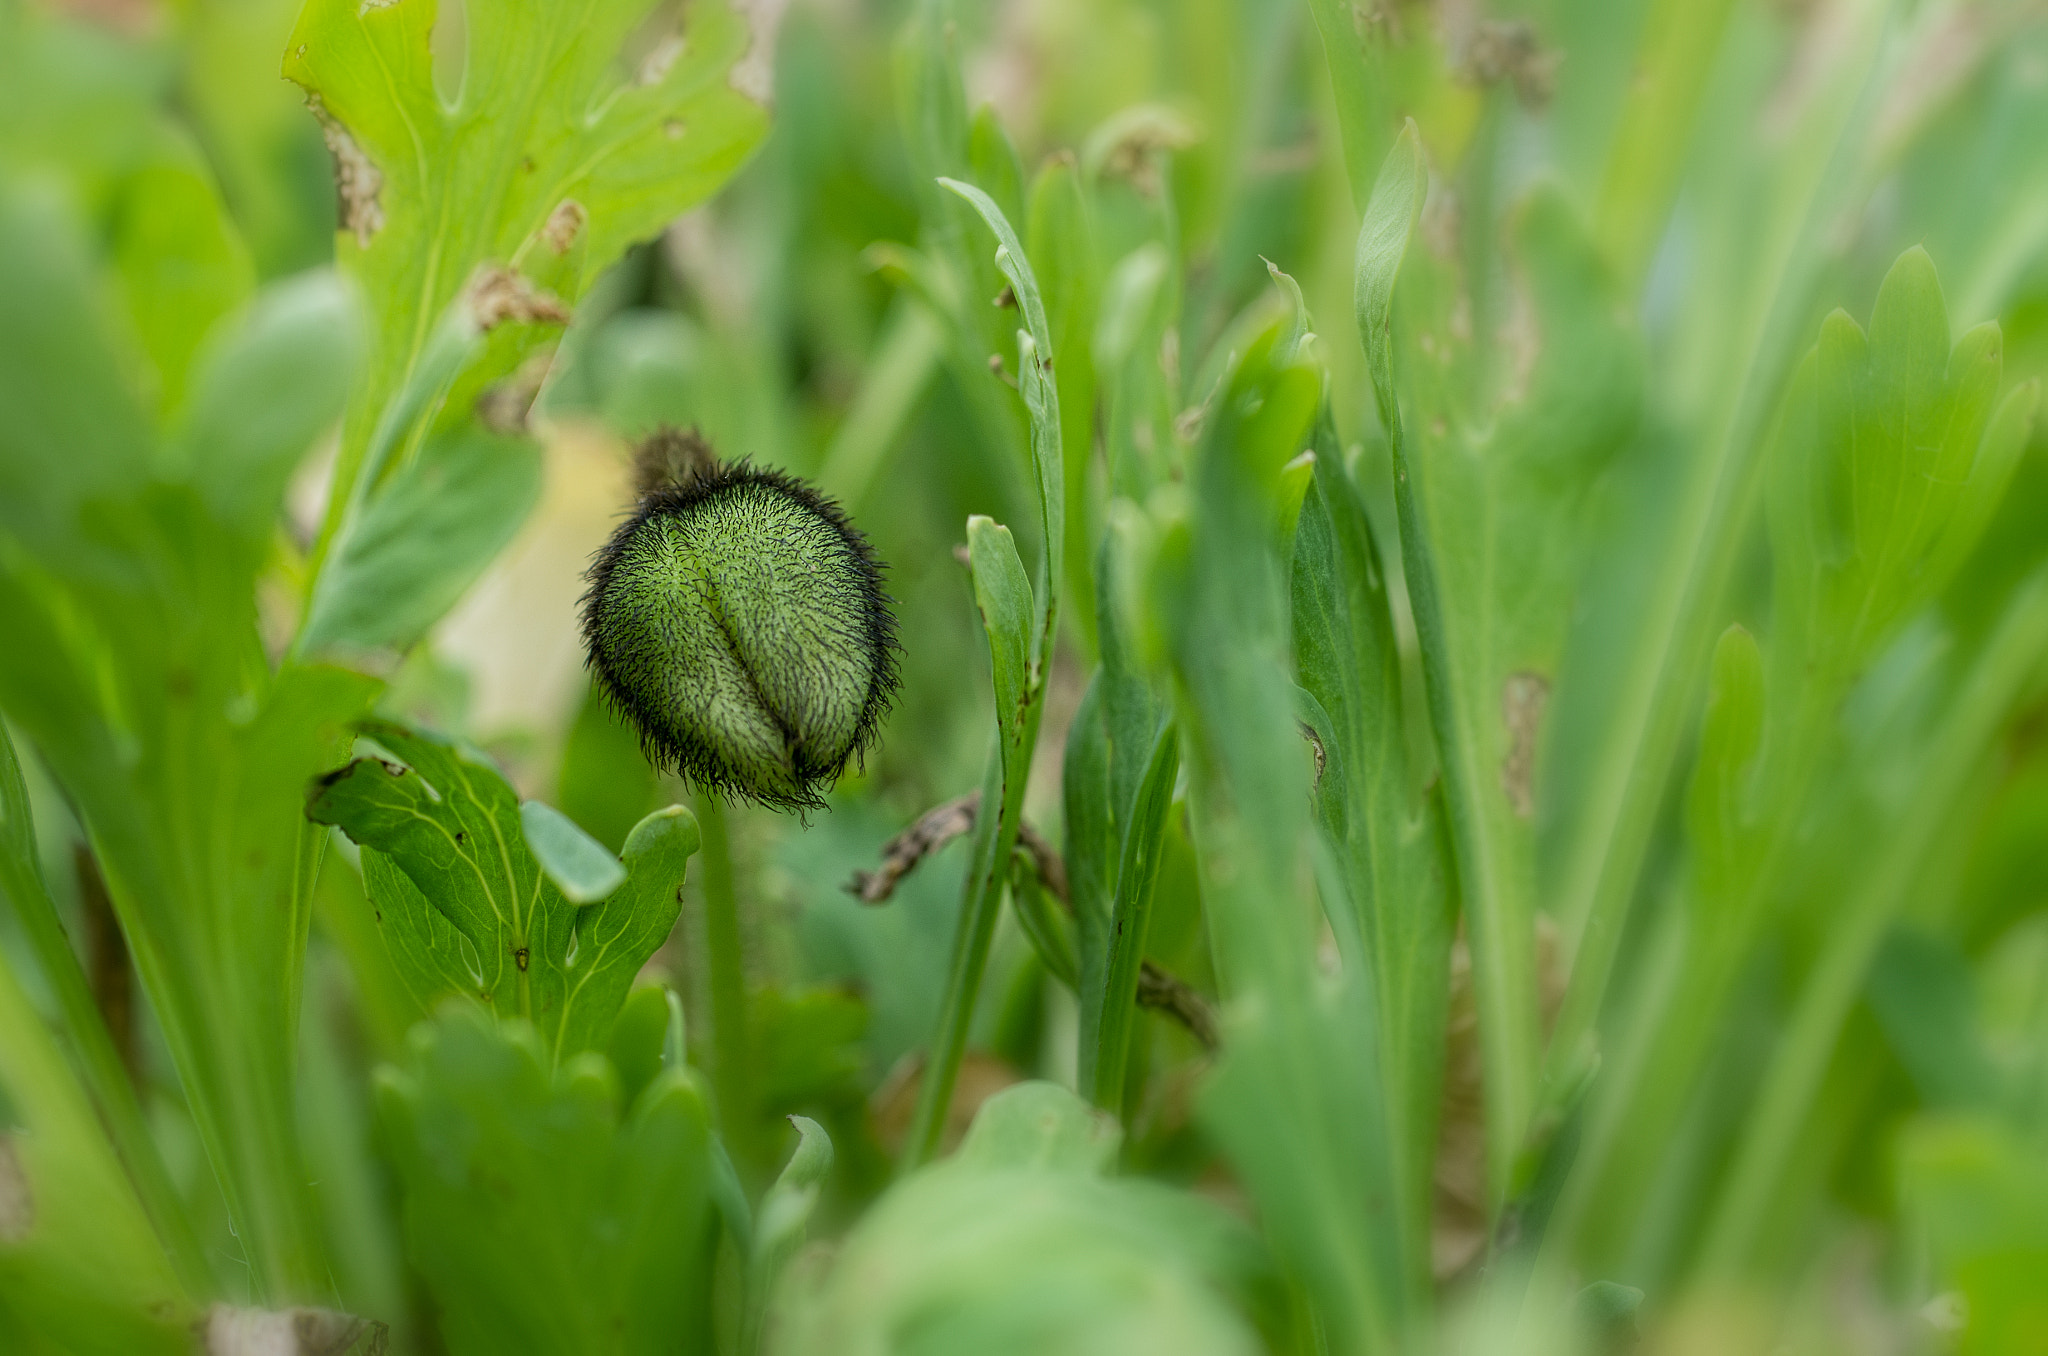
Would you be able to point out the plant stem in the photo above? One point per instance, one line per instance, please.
(1130, 922)
(995, 836)
(726, 976)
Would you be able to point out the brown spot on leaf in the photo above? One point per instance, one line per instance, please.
(498, 294)
(505, 405)
(1522, 699)
(1497, 50)
(17, 1200)
(660, 61)
(565, 223)
(1315, 742)
(357, 182)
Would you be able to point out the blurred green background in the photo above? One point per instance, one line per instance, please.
(789, 321)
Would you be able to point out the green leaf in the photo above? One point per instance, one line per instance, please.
(465, 904)
(1297, 1103)
(1720, 807)
(1979, 1194)
(638, 1034)
(1062, 238)
(577, 863)
(549, 161)
(1498, 445)
(1041, 1125)
(615, 938)
(1002, 592)
(74, 431)
(104, 1078)
(262, 390)
(1143, 824)
(785, 1211)
(422, 540)
(80, 1267)
(543, 1215)
(1037, 1255)
(1888, 463)
(1041, 395)
(181, 264)
(1050, 930)
(449, 822)
(1389, 837)
(1390, 216)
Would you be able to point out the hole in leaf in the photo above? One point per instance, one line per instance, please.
(653, 46)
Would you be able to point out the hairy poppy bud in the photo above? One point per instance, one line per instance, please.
(738, 619)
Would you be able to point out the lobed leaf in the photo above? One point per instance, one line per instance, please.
(544, 1215)
(465, 905)
(549, 160)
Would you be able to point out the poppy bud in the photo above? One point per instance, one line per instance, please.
(738, 619)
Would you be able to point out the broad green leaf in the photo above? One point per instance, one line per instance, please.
(181, 264)
(549, 161)
(422, 540)
(1041, 1125)
(464, 902)
(577, 863)
(1038, 1257)
(449, 822)
(432, 957)
(1924, 995)
(261, 391)
(75, 430)
(543, 1214)
(992, 161)
(1352, 64)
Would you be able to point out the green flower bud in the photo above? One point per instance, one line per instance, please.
(738, 619)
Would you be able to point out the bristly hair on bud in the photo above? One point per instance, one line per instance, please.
(737, 618)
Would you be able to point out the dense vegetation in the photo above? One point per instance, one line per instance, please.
(1471, 600)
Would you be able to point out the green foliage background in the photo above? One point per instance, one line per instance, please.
(1486, 565)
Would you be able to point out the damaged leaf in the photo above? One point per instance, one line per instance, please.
(545, 166)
